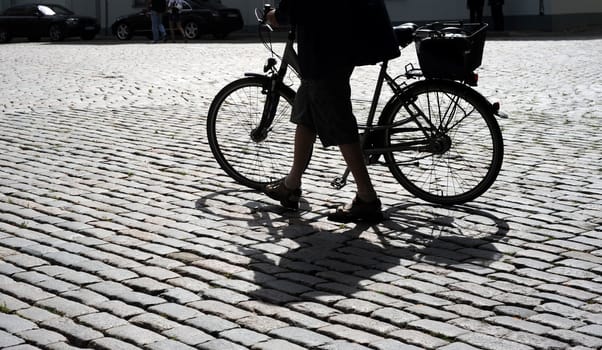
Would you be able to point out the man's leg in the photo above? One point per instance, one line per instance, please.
(304, 143)
(354, 157)
(155, 25)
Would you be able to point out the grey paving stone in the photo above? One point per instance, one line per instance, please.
(140, 299)
(221, 344)
(514, 311)
(480, 327)
(77, 333)
(457, 346)
(15, 324)
(120, 308)
(134, 334)
(563, 310)
(101, 321)
(364, 323)
(343, 345)
(244, 336)
(594, 330)
(188, 335)
(112, 344)
(418, 338)
(169, 344)
(492, 343)
(350, 334)
(11, 304)
(210, 323)
(352, 305)
(467, 298)
(261, 324)
(65, 307)
(175, 311)
(431, 312)
(536, 341)
(24, 291)
(153, 322)
(438, 328)
(180, 295)
(300, 320)
(224, 295)
(85, 296)
(220, 309)
(64, 346)
(37, 314)
(569, 336)
(468, 311)
(7, 339)
(391, 344)
(277, 344)
(41, 336)
(555, 321)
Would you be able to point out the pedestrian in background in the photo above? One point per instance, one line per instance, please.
(157, 9)
(475, 8)
(497, 14)
(174, 7)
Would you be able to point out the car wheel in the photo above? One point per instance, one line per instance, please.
(191, 30)
(56, 33)
(4, 35)
(123, 32)
(88, 36)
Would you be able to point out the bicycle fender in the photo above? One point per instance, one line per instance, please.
(461, 88)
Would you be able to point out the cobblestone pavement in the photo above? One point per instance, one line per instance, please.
(119, 231)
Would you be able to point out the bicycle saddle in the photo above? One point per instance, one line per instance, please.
(405, 33)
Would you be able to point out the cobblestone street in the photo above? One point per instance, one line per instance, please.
(118, 229)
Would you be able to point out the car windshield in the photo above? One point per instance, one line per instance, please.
(52, 10)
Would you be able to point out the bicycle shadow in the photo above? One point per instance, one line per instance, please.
(304, 258)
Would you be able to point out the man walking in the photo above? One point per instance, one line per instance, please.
(497, 14)
(333, 36)
(475, 8)
(157, 9)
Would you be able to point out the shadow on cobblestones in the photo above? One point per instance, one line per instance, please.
(303, 258)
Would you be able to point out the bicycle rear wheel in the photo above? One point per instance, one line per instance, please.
(232, 131)
(448, 147)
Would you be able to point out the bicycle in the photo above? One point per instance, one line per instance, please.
(438, 136)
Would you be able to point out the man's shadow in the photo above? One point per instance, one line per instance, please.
(302, 257)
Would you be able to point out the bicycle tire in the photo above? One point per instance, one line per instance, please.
(462, 155)
(234, 113)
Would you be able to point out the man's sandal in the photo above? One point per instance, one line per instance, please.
(288, 198)
(358, 211)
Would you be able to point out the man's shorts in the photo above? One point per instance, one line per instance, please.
(324, 106)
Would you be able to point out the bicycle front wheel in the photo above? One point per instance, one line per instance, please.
(251, 152)
(446, 146)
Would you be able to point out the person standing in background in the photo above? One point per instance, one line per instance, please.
(475, 8)
(174, 7)
(157, 9)
(497, 14)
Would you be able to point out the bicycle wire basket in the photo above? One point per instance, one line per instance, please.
(450, 50)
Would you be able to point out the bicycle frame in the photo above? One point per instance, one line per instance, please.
(434, 141)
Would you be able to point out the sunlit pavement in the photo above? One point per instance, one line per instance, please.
(118, 230)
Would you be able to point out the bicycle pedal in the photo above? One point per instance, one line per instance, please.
(338, 183)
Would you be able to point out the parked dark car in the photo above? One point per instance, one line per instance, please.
(36, 21)
(199, 17)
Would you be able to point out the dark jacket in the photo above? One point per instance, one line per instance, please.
(475, 3)
(334, 35)
(158, 5)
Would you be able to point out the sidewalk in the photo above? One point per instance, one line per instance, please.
(118, 230)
